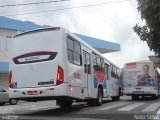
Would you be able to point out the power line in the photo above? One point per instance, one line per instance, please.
(42, 15)
(67, 8)
(35, 3)
(48, 8)
(62, 13)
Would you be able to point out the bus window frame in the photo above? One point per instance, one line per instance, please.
(74, 51)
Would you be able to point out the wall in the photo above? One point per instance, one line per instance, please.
(4, 80)
(5, 43)
(5, 48)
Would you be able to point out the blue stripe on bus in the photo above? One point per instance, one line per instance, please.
(95, 81)
(104, 84)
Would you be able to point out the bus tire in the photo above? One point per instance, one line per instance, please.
(154, 96)
(99, 98)
(13, 101)
(135, 97)
(2, 103)
(116, 98)
(65, 103)
(90, 102)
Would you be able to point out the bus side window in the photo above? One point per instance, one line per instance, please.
(74, 51)
(112, 73)
(98, 63)
(94, 59)
(88, 58)
(85, 62)
(77, 58)
(107, 70)
(89, 69)
(70, 44)
(70, 56)
(102, 66)
(70, 50)
(77, 53)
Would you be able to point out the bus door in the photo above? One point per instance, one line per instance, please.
(87, 73)
(107, 79)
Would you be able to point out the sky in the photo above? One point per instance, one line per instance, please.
(110, 20)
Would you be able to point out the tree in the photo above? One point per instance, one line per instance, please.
(150, 32)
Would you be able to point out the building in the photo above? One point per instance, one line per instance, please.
(10, 27)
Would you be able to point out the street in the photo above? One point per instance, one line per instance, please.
(110, 110)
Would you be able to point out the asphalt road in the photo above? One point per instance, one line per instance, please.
(125, 109)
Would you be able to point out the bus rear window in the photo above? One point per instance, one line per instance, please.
(34, 57)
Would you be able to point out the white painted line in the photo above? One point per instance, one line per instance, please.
(158, 114)
(28, 106)
(111, 106)
(43, 108)
(152, 107)
(131, 107)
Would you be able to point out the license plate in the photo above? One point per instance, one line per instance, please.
(32, 93)
(138, 92)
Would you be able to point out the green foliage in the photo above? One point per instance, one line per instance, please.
(150, 32)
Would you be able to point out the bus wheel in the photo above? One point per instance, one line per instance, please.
(135, 97)
(99, 100)
(13, 101)
(116, 98)
(154, 96)
(65, 103)
(90, 102)
(2, 103)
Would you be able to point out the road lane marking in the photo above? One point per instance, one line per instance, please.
(111, 106)
(158, 114)
(152, 107)
(131, 107)
(9, 109)
(43, 108)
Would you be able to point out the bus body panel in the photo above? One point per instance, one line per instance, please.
(75, 81)
(113, 83)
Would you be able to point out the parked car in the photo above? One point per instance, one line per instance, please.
(4, 97)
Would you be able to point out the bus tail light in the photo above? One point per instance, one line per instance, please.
(60, 76)
(10, 80)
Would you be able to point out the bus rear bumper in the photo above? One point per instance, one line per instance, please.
(143, 91)
(41, 93)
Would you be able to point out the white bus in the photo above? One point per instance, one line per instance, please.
(53, 63)
(140, 79)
